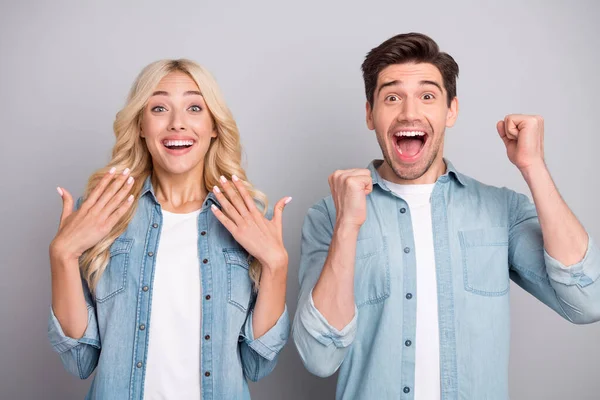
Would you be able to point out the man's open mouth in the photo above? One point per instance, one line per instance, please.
(410, 143)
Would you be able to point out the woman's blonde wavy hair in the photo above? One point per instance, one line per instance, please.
(224, 155)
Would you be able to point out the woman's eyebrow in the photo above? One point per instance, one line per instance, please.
(188, 93)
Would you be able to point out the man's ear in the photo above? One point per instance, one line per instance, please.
(452, 113)
(369, 111)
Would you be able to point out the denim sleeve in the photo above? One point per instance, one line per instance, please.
(259, 355)
(79, 356)
(572, 291)
(322, 347)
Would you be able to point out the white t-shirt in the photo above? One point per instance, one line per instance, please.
(173, 364)
(427, 341)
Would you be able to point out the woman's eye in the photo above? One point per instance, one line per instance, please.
(159, 109)
(195, 108)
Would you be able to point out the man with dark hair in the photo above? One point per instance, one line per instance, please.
(405, 268)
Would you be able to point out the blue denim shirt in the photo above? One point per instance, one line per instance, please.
(115, 343)
(483, 237)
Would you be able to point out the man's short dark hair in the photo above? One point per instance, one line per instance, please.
(409, 48)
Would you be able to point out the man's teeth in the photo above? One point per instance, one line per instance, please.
(409, 133)
(174, 143)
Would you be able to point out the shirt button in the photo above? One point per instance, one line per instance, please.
(203, 233)
(207, 337)
(145, 288)
(142, 327)
(403, 210)
(205, 261)
(408, 343)
(406, 389)
(207, 297)
(150, 254)
(409, 296)
(207, 374)
(155, 225)
(407, 250)
(139, 365)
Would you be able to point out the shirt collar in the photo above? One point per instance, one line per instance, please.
(451, 172)
(149, 189)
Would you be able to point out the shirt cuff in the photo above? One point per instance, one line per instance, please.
(317, 326)
(271, 343)
(583, 273)
(62, 343)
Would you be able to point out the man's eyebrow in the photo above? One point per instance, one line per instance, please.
(434, 83)
(388, 84)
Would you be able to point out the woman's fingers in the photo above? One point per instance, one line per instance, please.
(234, 198)
(243, 191)
(67, 208)
(227, 223)
(227, 207)
(111, 190)
(114, 218)
(278, 212)
(118, 198)
(99, 189)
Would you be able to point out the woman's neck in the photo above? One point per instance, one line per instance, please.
(179, 193)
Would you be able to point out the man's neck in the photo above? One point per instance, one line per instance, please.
(437, 169)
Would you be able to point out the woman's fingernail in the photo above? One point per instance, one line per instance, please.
(126, 171)
(130, 180)
(223, 179)
(216, 189)
(112, 170)
(60, 191)
(234, 178)
(288, 200)
(213, 207)
(130, 198)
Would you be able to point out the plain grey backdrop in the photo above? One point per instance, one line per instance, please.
(290, 73)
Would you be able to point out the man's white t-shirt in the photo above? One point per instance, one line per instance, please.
(427, 341)
(173, 363)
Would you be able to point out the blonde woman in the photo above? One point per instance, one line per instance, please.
(167, 278)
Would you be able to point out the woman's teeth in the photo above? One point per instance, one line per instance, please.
(178, 143)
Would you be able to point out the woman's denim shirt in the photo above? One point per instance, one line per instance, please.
(115, 343)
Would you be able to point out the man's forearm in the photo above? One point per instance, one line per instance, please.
(565, 239)
(333, 295)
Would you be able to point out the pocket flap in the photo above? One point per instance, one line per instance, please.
(368, 247)
(239, 257)
(497, 236)
(120, 246)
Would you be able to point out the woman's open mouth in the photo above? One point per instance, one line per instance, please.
(178, 146)
(409, 144)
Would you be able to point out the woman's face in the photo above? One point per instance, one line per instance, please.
(177, 126)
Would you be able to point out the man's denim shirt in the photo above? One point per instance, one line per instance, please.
(483, 237)
(115, 343)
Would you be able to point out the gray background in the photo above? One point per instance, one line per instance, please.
(290, 73)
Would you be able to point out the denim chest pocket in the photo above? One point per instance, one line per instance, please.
(239, 284)
(485, 261)
(372, 271)
(114, 277)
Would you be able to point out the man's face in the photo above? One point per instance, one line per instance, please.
(410, 114)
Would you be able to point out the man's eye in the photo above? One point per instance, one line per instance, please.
(428, 96)
(392, 97)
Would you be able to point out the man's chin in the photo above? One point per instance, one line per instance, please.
(409, 173)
